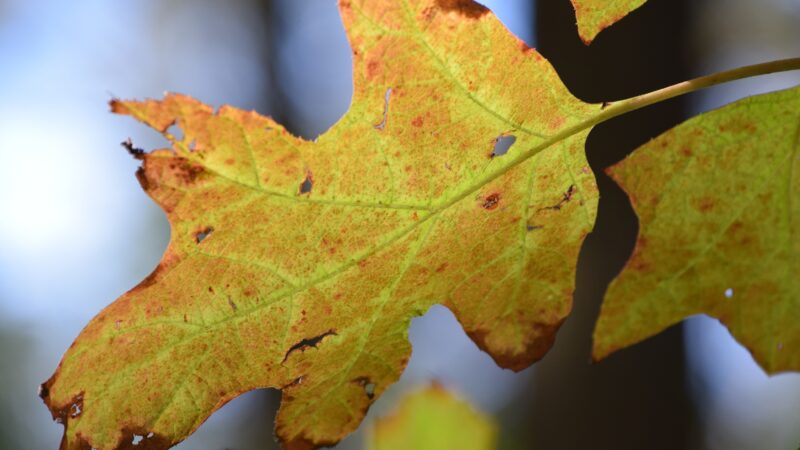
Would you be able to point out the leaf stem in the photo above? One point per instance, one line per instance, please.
(640, 101)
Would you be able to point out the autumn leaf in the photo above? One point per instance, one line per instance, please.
(596, 15)
(719, 217)
(434, 419)
(299, 264)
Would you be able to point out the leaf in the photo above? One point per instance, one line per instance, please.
(434, 419)
(299, 264)
(719, 218)
(595, 16)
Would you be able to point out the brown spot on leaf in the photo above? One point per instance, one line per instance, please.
(491, 201)
(428, 14)
(373, 67)
(142, 177)
(467, 8)
(544, 337)
(705, 204)
(303, 443)
(417, 121)
(186, 171)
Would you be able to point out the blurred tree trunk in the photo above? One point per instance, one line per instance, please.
(638, 398)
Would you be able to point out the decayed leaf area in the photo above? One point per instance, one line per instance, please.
(299, 265)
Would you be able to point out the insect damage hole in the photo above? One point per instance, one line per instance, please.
(386, 97)
(137, 439)
(307, 343)
(369, 389)
(502, 144)
(307, 184)
(175, 132)
(75, 410)
(201, 235)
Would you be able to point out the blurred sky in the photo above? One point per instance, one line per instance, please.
(76, 230)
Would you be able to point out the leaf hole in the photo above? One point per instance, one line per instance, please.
(175, 132)
(729, 293)
(307, 184)
(502, 144)
(137, 438)
(306, 343)
(369, 389)
(201, 235)
(367, 385)
(386, 97)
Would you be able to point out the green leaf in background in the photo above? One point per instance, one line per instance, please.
(718, 200)
(434, 419)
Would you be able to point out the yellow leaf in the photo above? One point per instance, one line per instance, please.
(719, 231)
(299, 265)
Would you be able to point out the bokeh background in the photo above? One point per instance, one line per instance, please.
(76, 230)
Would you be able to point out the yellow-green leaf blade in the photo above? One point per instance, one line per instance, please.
(719, 231)
(299, 265)
(595, 16)
(434, 419)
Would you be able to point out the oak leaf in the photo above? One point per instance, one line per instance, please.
(434, 419)
(718, 200)
(299, 264)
